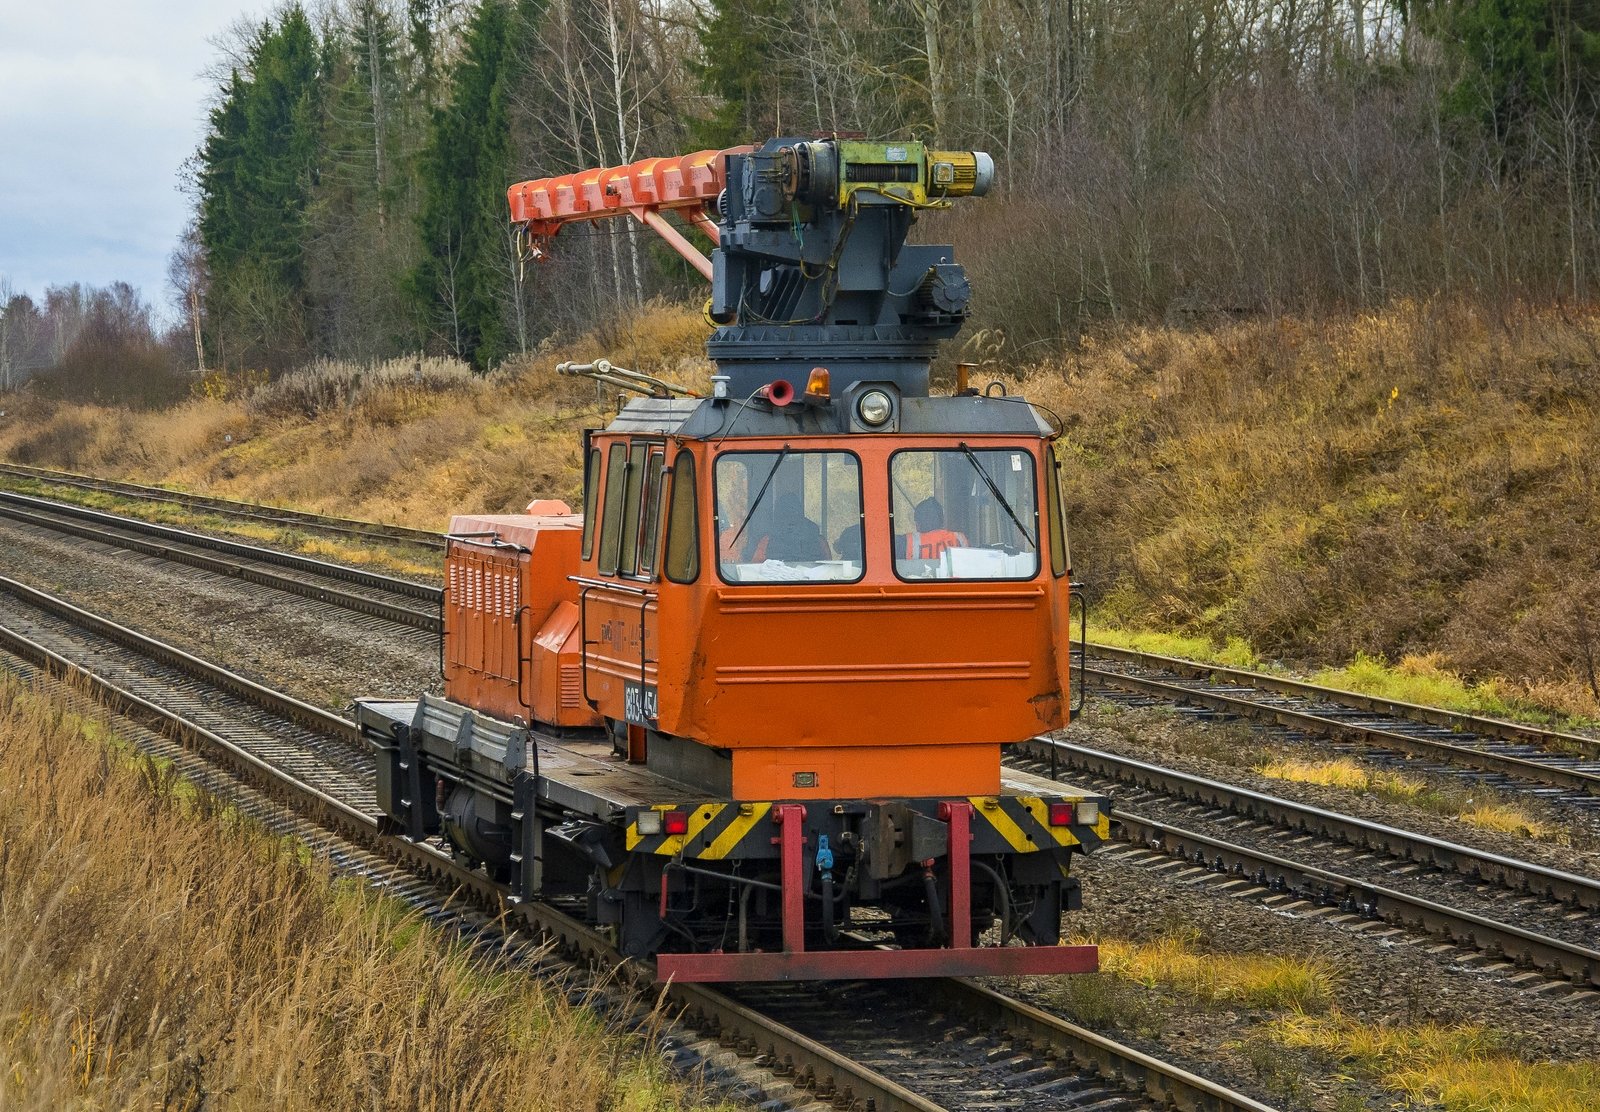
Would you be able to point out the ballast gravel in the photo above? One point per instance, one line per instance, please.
(1228, 752)
(321, 653)
(1376, 981)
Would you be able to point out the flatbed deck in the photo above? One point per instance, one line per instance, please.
(583, 774)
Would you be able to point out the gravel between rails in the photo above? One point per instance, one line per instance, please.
(1227, 751)
(321, 653)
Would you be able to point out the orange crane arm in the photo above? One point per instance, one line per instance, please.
(643, 190)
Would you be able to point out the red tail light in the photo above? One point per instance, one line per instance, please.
(677, 822)
(1060, 814)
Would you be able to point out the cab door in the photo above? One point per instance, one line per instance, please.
(619, 602)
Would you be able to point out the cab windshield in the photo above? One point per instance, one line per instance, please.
(964, 513)
(788, 516)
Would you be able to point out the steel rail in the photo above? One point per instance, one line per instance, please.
(1282, 685)
(1553, 957)
(276, 515)
(238, 561)
(1520, 767)
(852, 1083)
(1166, 1085)
(827, 1071)
(1570, 889)
(277, 702)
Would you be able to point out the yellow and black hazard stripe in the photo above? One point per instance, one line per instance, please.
(715, 830)
(1021, 824)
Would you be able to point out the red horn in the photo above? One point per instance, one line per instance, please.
(780, 392)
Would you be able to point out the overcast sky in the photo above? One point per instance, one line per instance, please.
(100, 103)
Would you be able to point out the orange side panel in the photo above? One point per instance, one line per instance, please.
(505, 586)
(557, 664)
(866, 772)
(483, 596)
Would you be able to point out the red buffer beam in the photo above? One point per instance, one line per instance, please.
(643, 190)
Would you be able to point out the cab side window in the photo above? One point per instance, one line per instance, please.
(611, 520)
(628, 559)
(1060, 554)
(650, 503)
(591, 498)
(683, 523)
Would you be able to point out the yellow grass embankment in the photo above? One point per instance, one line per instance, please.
(411, 441)
(159, 952)
(1422, 480)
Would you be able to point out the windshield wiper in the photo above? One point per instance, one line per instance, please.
(994, 490)
(760, 494)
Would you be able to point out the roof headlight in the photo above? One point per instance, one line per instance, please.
(874, 408)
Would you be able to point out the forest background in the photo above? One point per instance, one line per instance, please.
(1158, 161)
(1312, 285)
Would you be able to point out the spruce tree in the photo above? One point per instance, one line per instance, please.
(462, 286)
(257, 170)
(741, 68)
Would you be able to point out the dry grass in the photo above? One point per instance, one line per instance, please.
(1342, 772)
(390, 443)
(1272, 982)
(1483, 809)
(1396, 483)
(1145, 986)
(1508, 818)
(1461, 1068)
(159, 952)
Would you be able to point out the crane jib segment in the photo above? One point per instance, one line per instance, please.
(642, 189)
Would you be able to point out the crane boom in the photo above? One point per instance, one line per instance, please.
(643, 190)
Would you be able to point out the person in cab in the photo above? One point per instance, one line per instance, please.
(792, 536)
(931, 537)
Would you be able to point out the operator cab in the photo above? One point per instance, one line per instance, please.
(958, 512)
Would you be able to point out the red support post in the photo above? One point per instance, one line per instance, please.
(791, 819)
(701, 220)
(959, 815)
(676, 240)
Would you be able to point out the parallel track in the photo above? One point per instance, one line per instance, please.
(1456, 722)
(249, 511)
(397, 600)
(312, 761)
(1564, 894)
(1324, 712)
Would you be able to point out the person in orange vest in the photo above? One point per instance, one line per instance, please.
(931, 538)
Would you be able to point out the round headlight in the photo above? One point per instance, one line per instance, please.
(874, 407)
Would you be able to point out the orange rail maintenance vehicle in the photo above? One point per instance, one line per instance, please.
(748, 708)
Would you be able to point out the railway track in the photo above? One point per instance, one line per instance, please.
(1387, 857)
(1153, 842)
(402, 601)
(248, 511)
(977, 1048)
(1557, 766)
